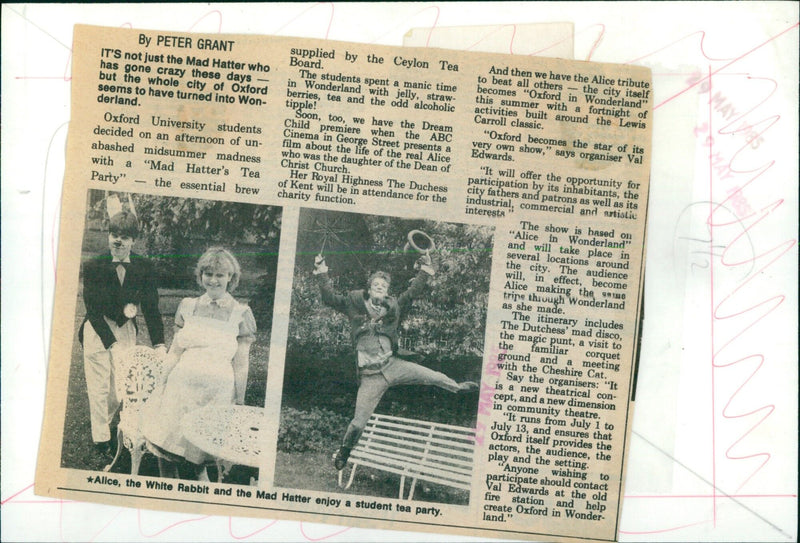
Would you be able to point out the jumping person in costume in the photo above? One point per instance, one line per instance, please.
(374, 318)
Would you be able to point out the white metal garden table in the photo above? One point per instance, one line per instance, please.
(231, 433)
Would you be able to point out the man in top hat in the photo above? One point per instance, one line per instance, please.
(115, 286)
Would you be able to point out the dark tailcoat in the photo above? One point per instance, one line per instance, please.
(104, 296)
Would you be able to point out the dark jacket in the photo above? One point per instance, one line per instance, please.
(105, 297)
(353, 306)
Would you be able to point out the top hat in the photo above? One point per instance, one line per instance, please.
(420, 242)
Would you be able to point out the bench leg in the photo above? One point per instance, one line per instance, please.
(119, 450)
(223, 468)
(349, 480)
(411, 490)
(137, 451)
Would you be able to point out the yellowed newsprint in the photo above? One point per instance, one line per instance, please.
(384, 287)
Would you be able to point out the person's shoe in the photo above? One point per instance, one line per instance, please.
(103, 448)
(468, 386)
(340, 458)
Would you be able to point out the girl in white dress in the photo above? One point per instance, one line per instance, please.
(206, 364)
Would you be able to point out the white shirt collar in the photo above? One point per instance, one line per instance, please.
(126, 260)
(224, 302)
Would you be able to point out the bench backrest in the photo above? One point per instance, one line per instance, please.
(440, 453)
(137, 376)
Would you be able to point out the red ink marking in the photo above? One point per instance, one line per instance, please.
(512, 41)
(309, 538)
(65, 77)
(480, 433)
(719, 307)
(435, 21)
(665, 529)
(724, 66)
(251, 534)
(61, 519)
(54, 226)
(569, 39)
(751, 134)
(54, 245)
(35, 502)
(168, 527)
(740, 204)
(711, 273)
(707, 496)
(597, 41)
(693, 74)
(214, 12)
(61, 516)
(735, 123)
(330, 20)
(491, 367)
(405, 25)
(753, 138)
(107, 524)
(513, 28)
(702, 34)
(773, 302)
(486, 396)
(769, 304)
(14, 495)
(485, 399)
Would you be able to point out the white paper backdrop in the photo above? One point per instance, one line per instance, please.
(714, 451)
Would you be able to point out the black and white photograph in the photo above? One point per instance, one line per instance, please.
(172, 333)
(383, 359)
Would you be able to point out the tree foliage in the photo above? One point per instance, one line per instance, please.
(178, 230)
(175, 231)
(447, 320)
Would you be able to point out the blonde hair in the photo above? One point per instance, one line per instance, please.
(216, 258)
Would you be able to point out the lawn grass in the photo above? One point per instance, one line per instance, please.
(315, 471)
(77, 448)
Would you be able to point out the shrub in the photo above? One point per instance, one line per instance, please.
(316, 430)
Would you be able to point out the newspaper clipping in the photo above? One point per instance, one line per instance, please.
(363, 285)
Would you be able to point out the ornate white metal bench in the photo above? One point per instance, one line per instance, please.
(415, 449)
(136, 377)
